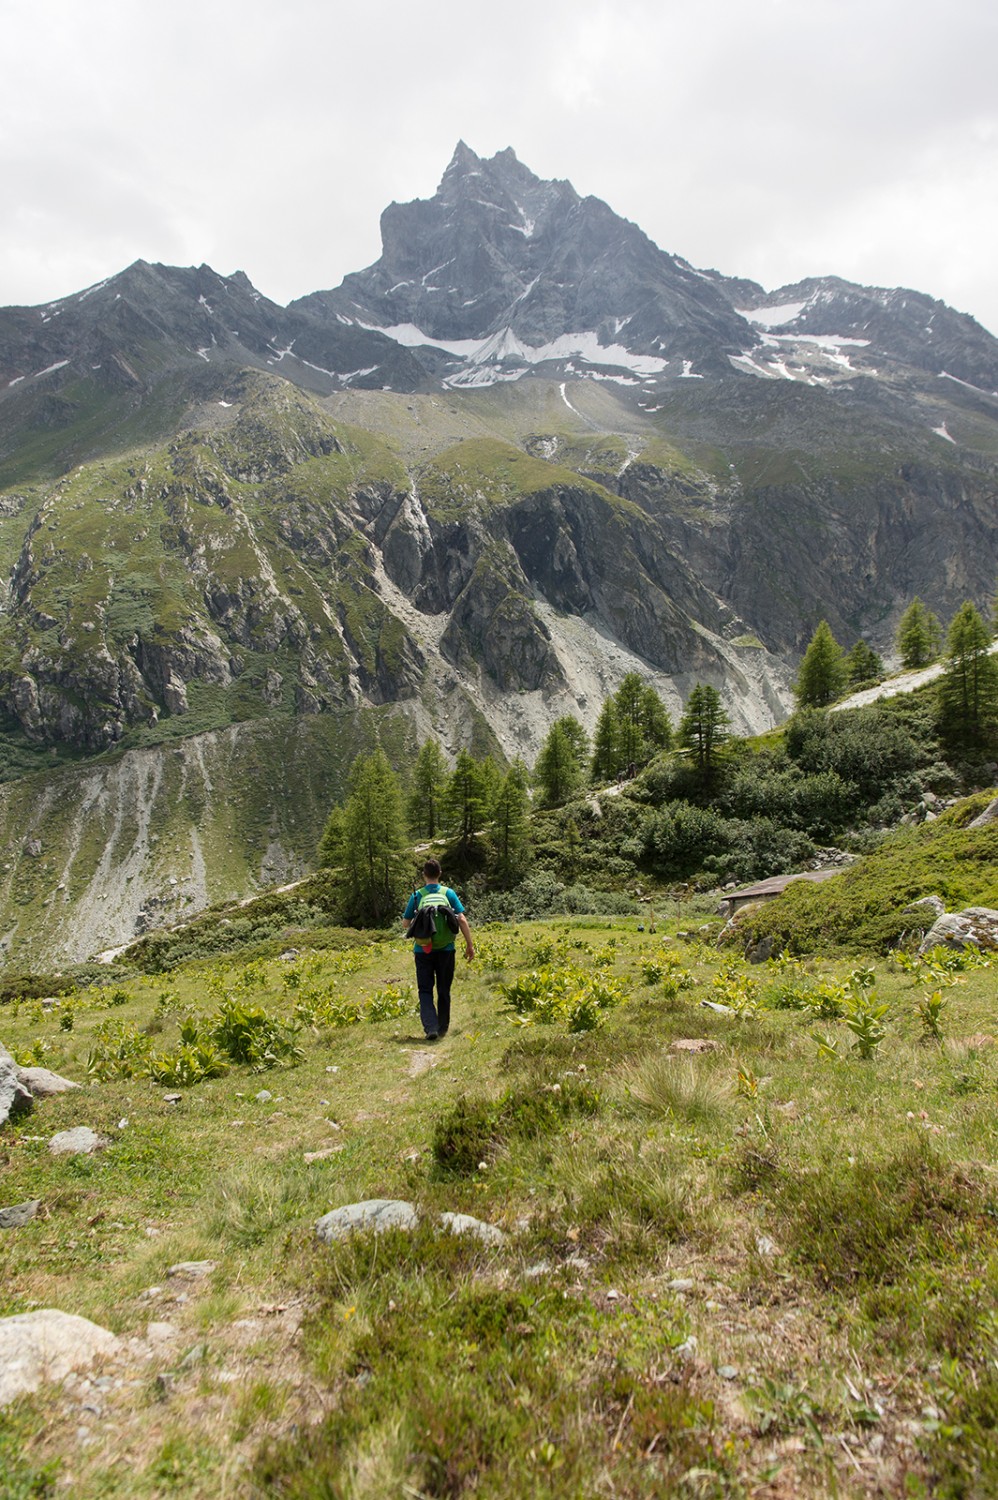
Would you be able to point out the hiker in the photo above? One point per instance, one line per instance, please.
(435, 956)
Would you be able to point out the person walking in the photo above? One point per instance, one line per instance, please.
(436, 956)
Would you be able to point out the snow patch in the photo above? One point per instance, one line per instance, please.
(941, 432)
(772, 317)
(59, 365)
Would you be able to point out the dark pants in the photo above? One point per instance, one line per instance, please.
(438, 965)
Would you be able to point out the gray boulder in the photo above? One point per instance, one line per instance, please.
(48, 1345)
(974, 927)
(988, 816)
(79, 1142)
(373, 1213)
(18, 1214)
(15, 1099)
(927, 904)
(41, 1083)
(466, 1224)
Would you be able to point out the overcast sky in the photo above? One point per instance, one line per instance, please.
(772, 139)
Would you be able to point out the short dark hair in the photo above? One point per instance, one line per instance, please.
(431, 869)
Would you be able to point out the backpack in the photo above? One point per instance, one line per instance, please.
(433, 913)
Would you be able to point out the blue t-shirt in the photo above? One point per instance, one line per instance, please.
(453, 901)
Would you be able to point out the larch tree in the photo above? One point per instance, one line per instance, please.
(426, 800)
(968, 688)
(373, 844)
(822, 674)
(919, 637)
(703, 729)
(557, 773)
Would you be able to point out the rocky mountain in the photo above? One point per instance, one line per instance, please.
(463, 492)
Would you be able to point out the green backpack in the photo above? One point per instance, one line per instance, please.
(434, 916)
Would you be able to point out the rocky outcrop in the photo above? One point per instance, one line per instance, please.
(15, 1096)
(974, 927)
(43, 1347)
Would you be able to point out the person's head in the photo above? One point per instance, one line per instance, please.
(431, 869)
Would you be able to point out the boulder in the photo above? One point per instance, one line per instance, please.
(466, 1224)
(82, 1141)
(988, 816)
(18, 1214)
(40, 1083)
(15, 1099)
(933, 904)
(48, 1345)
(974, 927)
(373, 1213)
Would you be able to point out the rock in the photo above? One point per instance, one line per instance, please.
(263, 1097)
(681, 1284)
(192, 1270)
(20, 1213)
(762, 951)
(727, 1372)
(974, 927)
(160, 1333)
(81, 1141)
(694, 1044)
(40, 1083)
(988, 816)
(373, 1213)
(688, 1349)
(925, 905)
(765, 1246)
(43, 1346)
(466, 1224)
(15, 1099)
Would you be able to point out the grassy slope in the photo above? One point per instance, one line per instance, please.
(824, 1230)
(863, 909)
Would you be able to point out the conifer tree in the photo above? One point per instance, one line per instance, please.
(863, 666)
(629, 701)
(822, 674)
(655, 720)
(466, 801)
(703, 729)
(920, 636)
(968, 689)
(373, 848)
(606, 758)
(427, 795)
(511, 825)
(557, 773)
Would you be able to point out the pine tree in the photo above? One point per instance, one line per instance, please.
(822, 674)
(703, 729)
(655, 720)
(968, 689)
(577, 737)
(606, 758)
(511, 825)
(919, 637)
(373, 844)
(427, 795)
(330, 851)
(629, 701)
(466, 802)
(863, 666)
(557, 773)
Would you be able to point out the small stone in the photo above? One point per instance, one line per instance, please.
(172, 1098)
(766, 1246)
(193, 1357)
(613, 1295)
(682, 1284)
(150, 1292)
(82, 1141)
(466, 1224)
(264, 1096)
(727, 1372)
(19, 1213)
(695, 1044)
(160, 1333)
(688, 1348)
(192, 1270)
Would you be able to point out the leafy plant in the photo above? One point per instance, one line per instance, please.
(930, 1011)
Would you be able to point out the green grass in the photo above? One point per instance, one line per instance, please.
(863, 909)
(825, 1228)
